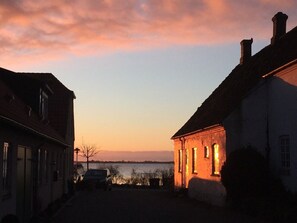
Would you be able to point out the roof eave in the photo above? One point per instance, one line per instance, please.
(196, 131)
(280, 68)
(27, 128)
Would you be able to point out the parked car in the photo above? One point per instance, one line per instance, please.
(98, 178)
(78, 172)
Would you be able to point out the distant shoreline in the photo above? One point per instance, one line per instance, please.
(122, 161)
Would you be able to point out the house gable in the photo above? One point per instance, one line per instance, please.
(255, 106)
(228, 95)
(36, 160)
(60, 104)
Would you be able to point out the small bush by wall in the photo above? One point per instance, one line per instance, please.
(244, 175)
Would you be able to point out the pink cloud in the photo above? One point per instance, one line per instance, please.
(51, 28)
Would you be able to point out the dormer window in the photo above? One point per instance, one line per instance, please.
(43, 105)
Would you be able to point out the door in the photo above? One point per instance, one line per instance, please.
(24, 184)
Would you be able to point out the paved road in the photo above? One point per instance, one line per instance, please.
(141, 206)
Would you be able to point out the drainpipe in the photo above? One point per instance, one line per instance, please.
(267, 149)
(182, 141)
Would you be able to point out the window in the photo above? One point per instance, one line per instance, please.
(39, 166)
(180, 155)
(206, 152)
(285, 154)
(43, 105)
(45, 167)
(194, 160)
(60, 164)
(187, 161)
(215, 160)
(61, 169)
(6, 169)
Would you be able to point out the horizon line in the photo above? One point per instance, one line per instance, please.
(125, 161)
(135, 151)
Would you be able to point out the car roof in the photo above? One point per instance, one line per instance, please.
(99, 170)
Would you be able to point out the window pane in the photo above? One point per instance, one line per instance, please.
(216, 160)
(180, 160)
(284, 142)
(194, 160)
(206, 152)
(45, 163)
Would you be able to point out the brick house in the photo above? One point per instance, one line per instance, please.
(37, 140)
(254, 106)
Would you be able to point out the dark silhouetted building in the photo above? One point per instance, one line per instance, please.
(37, 140)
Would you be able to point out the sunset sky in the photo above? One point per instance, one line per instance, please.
(139, 68)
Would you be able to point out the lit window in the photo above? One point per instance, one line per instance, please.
(206, 152)
(6, 169)
(180, 156)
(215, 160)
(194, 160)
(285, 153)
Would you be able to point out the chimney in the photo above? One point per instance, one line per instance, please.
(279, 26)
(246, 50)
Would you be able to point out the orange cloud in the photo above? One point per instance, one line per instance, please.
(51, 28)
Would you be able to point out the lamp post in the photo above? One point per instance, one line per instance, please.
(76, 150)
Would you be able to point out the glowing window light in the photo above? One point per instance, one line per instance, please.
(180, 155)
(206, 152)
(194, 160)
(216, 161)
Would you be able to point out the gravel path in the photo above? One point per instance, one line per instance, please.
(142, 206)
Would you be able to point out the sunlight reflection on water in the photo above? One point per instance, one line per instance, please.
(126, 168)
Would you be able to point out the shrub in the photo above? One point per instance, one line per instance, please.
(139, 179)
(245, 175)
(117, 177)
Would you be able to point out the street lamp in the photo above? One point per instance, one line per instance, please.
(76, 150)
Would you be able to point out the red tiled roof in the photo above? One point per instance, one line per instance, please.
(228, 95)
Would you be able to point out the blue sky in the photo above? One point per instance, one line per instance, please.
(143, 96)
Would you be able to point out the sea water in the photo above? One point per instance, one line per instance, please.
(126, 168)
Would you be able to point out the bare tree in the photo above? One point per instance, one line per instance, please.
(88, 151)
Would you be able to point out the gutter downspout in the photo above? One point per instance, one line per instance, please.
(182, 141)
(267, 149)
